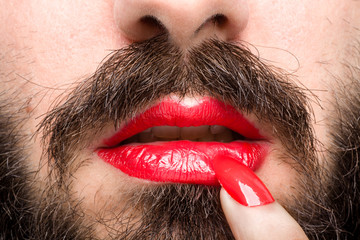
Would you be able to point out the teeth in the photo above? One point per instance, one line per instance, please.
(146, 136)
(192, 133)
(217, 129)
(166, 132)
(147, 130)
(225, 136)
(207, 138)
(203, 133)
(131, 139)
(165, 139)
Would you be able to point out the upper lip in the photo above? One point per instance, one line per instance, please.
(173, 112)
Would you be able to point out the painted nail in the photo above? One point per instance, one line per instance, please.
(240, 182)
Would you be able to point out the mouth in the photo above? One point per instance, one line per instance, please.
(175, 141)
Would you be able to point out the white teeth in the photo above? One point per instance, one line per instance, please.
(166, 132)
(192, 133)
(217, 129)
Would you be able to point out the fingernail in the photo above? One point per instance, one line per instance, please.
(240, 182)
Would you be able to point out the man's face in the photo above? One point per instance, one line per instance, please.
(282, 75)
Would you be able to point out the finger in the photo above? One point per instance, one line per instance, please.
(249, 207)
(269, 221)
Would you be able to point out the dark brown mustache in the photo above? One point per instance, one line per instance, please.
(134, 77)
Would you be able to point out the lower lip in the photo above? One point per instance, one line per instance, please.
(181, 161)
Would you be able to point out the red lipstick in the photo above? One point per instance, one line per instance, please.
(183, 161)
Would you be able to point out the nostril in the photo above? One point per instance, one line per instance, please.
(219, 19)
(152, 21)
(153, 25)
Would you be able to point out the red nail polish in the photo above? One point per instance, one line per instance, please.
(241, 182)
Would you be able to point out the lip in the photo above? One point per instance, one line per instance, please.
(183, 161)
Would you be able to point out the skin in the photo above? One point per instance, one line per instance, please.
(48, 46)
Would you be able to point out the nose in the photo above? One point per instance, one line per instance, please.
(186, 21)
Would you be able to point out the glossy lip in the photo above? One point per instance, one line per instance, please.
(183, 161)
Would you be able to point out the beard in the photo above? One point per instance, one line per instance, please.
(326, 203)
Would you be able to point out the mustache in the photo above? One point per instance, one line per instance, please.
(133, 77)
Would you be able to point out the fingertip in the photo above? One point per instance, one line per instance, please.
(240, 182)
(269, 221)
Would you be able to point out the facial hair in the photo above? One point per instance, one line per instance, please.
(125, 84)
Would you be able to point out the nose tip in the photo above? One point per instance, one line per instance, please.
(186, 21)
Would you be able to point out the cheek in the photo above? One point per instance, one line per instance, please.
(299, 36)
(278, 175)
(47, 47)
(97, 188)
(307, 40)
(54, 44)
(101, 188)
(68, 40)
(104, 194)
